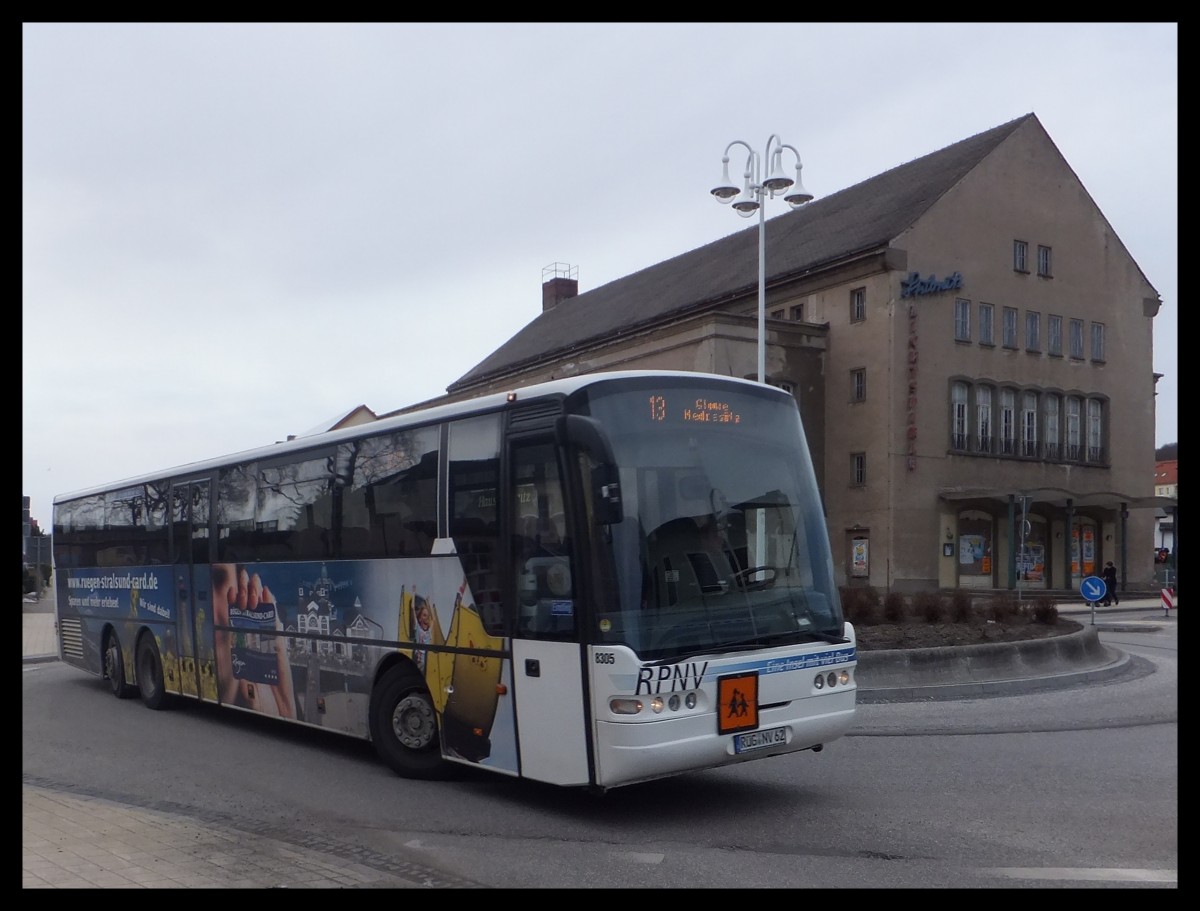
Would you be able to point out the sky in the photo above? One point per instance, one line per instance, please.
(233, 232)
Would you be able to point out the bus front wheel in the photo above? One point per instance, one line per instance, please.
(404, 725)
(150, 674)
(114, 669)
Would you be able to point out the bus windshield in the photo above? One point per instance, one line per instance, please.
(723, 541)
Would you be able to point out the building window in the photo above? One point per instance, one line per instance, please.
(858, 384)
(962, 320)
(1029, 424)
(1097, 341)
(858, 467)
(983, 418)
(1051, 449)
(1054, 335)
(1071, 453)
(1033, 331)
(1076, 339)
(1008, 421)
(1020, 251)
(776, 314)
(987, 324)
(798, 312)
(1009, 329)
(858, 305)
(1043, 261)
(1095, 431)
(785, 385)
(958, 416)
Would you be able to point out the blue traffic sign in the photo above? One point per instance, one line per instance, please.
(1093, 588)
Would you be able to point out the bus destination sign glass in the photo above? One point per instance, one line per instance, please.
(693, 411)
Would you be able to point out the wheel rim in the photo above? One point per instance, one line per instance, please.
(413, 722)
(110, 663)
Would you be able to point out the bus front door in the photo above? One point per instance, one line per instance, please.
(546, 665)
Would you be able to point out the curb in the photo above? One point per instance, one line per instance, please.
(987, 669)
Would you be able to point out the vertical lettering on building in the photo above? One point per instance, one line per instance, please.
(912, 388)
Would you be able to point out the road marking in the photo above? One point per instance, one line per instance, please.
(640, 857)
(1112, 874)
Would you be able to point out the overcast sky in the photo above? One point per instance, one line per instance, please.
(236, 232)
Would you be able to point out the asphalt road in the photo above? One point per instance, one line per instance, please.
(1076, 787)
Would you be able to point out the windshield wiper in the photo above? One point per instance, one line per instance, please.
(715, 650)
(827, 637)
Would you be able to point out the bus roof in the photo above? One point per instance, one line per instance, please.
(432, 414)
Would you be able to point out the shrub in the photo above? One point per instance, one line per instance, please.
(895, 608)
(930, 606)
(961, 610)
(1003, 607)
(860, 605)
(1045, 610)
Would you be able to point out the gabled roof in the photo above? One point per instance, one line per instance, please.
(864, 217)
(1166, 472)
(360, 414)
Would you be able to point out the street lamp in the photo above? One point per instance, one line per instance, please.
(750, 198)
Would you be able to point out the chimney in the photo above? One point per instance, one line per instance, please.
(559, 282)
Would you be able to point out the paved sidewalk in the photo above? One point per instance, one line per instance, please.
(72, 841)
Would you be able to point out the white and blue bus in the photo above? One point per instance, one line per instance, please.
(590, 582)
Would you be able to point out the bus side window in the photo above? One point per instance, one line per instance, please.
(474, 482)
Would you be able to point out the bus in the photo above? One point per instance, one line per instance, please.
(589, 582)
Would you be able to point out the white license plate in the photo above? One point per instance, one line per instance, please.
(758, 740)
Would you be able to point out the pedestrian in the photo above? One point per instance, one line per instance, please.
(1110, 583)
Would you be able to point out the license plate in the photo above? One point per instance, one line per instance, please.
(758, 740)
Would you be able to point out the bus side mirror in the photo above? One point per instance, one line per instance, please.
(587, 434)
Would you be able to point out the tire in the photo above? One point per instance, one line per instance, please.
(114, 669)
(150, 674)
(404, 726)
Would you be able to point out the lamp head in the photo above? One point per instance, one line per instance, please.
(797, 195)
(778, 180)
(747, 203)
(725, 192)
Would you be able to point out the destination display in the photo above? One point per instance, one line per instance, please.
(692, 410)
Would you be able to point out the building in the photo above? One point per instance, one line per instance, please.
(970, 344)
(1166, 484)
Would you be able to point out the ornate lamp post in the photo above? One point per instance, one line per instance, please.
(750, 198)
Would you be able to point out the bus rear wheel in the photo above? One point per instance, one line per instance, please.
(114, 669)
(150, 674)
(404, 726)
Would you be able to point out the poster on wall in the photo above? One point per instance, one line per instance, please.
(974, 555)
(1088, 535)
(1032, 566)
(858, 557)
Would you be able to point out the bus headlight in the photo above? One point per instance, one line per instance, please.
(656, 704)
(832, 679)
